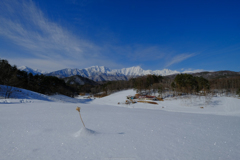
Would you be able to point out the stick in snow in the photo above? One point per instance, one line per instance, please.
(78, 109)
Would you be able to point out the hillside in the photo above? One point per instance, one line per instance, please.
(211, 75)
(217, 74)
(79, 80)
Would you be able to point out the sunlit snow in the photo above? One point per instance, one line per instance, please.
(35, 126)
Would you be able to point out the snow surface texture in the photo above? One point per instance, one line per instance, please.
(191, 104)
(50, 128)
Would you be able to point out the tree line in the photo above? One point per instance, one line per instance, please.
(180, 84)
(141, 84)
(12, 77)
(227, 86)
(188, 84)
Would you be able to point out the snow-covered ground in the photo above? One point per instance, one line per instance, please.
(35, 126)
(188, 104)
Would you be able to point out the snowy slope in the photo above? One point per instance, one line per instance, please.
(25, 96)
(189, 104)
(53, 130)
(18, 93)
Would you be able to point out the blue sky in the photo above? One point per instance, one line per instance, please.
(179, 35)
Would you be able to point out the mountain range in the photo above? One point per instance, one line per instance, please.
(102, 73)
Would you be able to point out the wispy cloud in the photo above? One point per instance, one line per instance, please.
(47, 45)
(138, 52)
(37, 33)
(25, 25)
(179, 58)
(50, 46)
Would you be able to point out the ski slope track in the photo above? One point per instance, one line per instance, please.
(36, 126)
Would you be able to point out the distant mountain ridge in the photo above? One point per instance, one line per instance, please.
(102, 73)
(95, 73)
(30, 70)
(138, 71)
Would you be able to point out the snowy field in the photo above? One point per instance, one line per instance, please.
(35, 126)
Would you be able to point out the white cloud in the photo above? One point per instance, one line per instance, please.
(179, 58)
(39, 34)
(46, 45)
(25, 25)
(49, 46)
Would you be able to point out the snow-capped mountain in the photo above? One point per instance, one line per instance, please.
(101, 73)
(30, 70)
(138, 71)
(96, 73)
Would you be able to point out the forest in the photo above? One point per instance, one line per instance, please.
(180, 84)
(12, 77)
